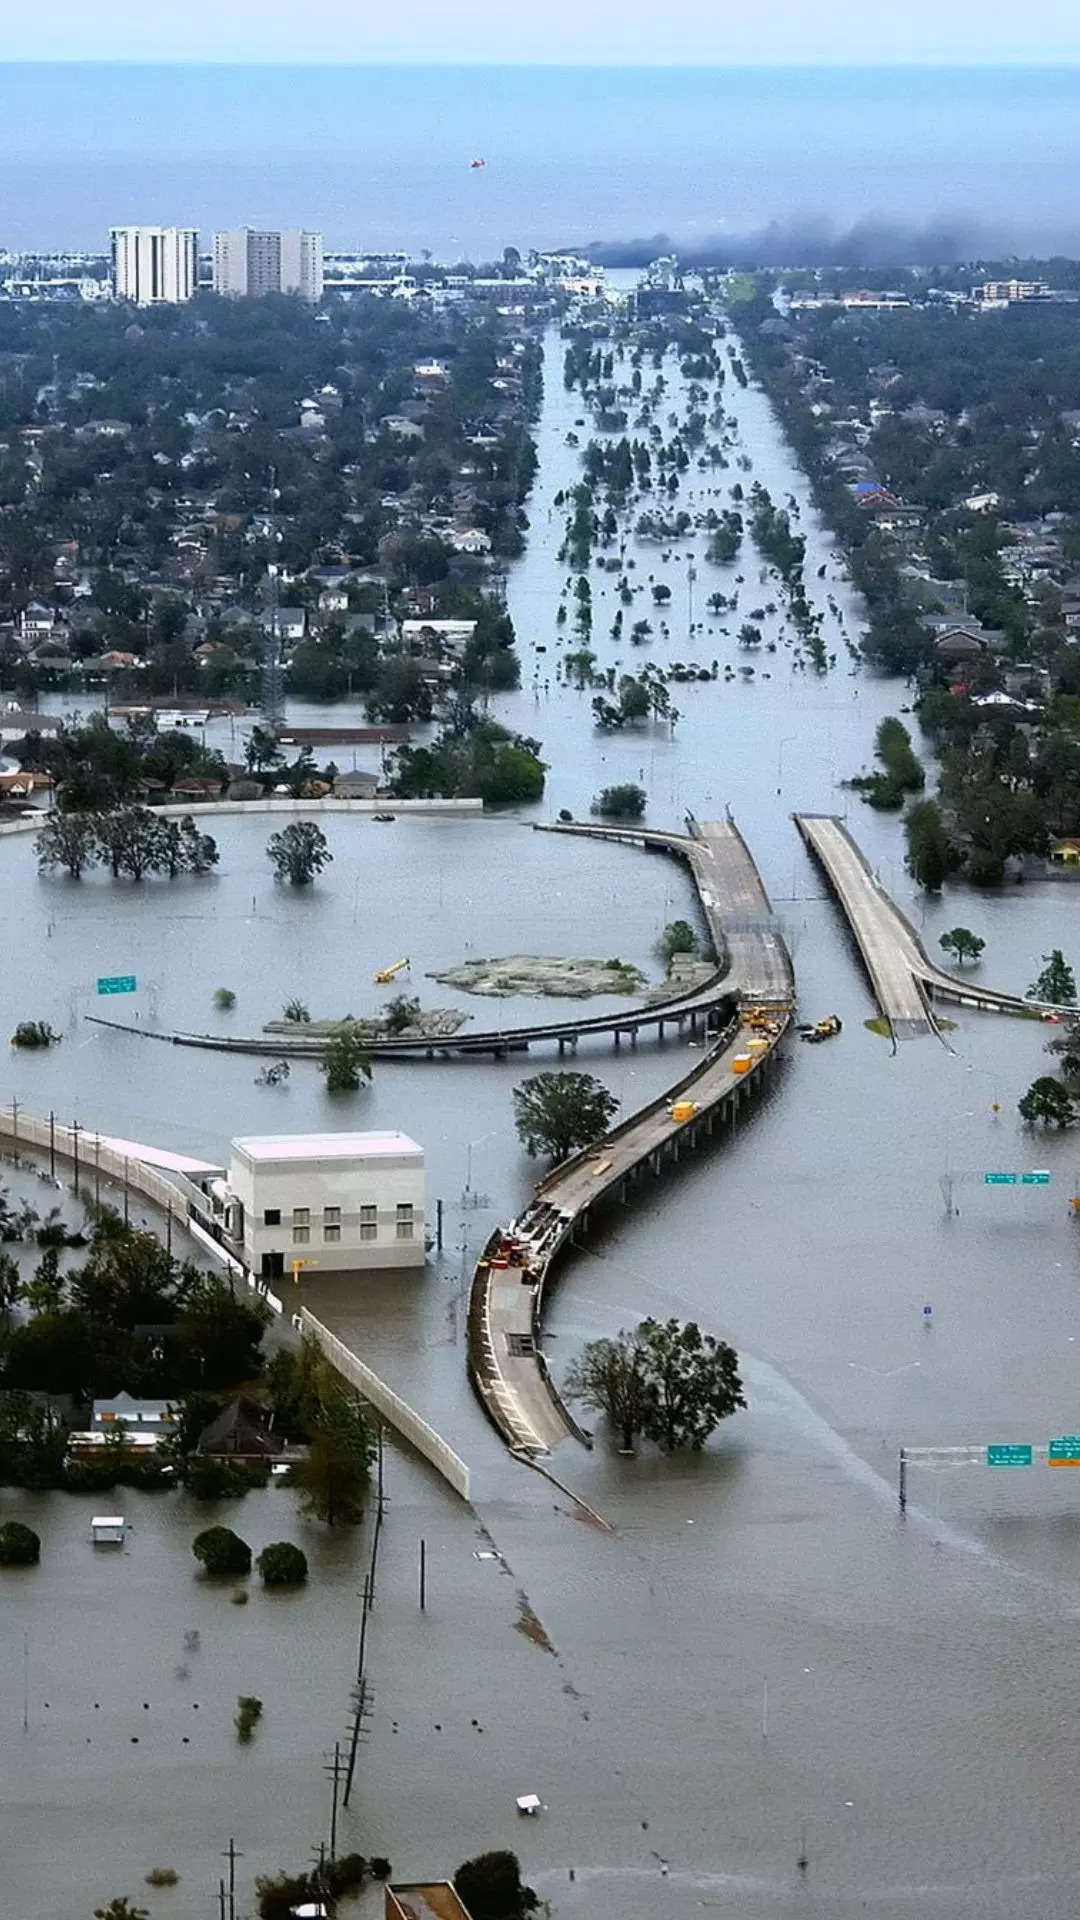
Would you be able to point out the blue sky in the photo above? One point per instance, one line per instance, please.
(601, 32)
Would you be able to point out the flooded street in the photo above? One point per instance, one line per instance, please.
(762, 1659)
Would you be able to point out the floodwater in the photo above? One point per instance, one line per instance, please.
(763, 1661)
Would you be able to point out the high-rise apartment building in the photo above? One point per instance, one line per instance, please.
(249, 261)
(152, 265)
(302, 263)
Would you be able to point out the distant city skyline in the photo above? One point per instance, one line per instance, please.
(606, 33)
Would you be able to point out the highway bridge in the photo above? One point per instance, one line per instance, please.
(905, 980)
(506, 1363)
(747, 945)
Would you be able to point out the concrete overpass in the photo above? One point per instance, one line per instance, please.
(905, 980)
(506, 1363)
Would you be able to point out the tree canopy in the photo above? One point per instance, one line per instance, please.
(298, 852)
(1056, 983)
(557, 1113)
(1048, 1103)
(665, 1379)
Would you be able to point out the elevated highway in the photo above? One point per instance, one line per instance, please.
(905, 980)
(506, 1363)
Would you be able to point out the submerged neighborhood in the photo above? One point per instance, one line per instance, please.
(382, 1383)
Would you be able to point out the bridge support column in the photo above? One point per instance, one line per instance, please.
(633, 1036)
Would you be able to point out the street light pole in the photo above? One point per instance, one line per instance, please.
(788, 741)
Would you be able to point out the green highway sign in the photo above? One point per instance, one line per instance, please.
(1038, 1179)
(1008, 1456)
(1000, 1179)
(117, 983)
(1064, 1452)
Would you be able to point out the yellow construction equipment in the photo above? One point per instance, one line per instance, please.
(386, 974)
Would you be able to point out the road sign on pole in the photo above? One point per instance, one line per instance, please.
(999, 1179)
(117, 983)
(1064, 1452)
(1008, 1456)
(1038, 1178)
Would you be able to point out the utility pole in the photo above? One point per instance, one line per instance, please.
(15, 1126)
(362, 1643)
(361, 1700)
(334, 1771)
(75, 1131)
(232, 1857)
(52, 1144)
(423, 1575)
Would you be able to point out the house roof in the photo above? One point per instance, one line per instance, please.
(240, 1427)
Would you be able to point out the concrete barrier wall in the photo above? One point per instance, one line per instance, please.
(394, 1410)
(177, 809)
(25, 1130)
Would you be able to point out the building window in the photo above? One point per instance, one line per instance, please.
(301, 1216)
(331, 1231)
(272, 1217)
(301, 1236)
(369, 1230)
(404, 1229)
(331, 1216)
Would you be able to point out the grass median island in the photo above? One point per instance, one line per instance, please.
(541, 974)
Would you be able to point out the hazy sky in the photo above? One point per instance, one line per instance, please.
(607, 32)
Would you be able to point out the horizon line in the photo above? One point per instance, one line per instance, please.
(1001, 65)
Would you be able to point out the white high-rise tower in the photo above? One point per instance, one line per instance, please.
(154, 265)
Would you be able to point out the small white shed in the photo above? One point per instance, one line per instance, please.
(107, 1530)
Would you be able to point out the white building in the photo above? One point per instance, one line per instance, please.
(252, 261)
(419, 636)
(247, 262)
(302, 263)
(339, 1201)
(153, 266)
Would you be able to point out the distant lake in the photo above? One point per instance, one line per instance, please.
(380, 156)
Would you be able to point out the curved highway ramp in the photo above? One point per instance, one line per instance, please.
(904, 978)
(506, 1363)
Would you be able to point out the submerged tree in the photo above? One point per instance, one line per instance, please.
(665, 1379)
(346, 1059)
(298, 852)
(67, 840)
(962, 944)
(558, 1113)
(1057, 981)
(931, 856)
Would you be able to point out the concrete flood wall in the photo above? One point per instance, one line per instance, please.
(394, 1410)
(86, 1150)
(176, 809)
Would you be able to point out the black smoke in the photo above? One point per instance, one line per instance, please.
(869, 242)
